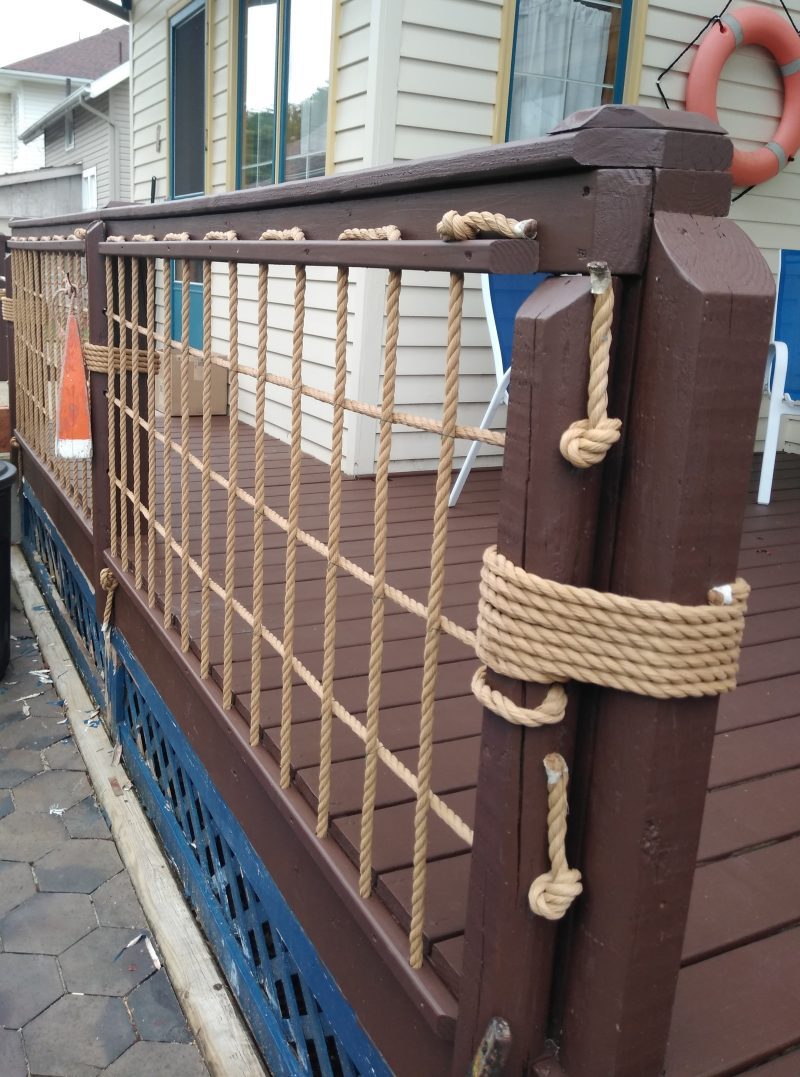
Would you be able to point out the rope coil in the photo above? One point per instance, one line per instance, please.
(533, 629)
(552, 892)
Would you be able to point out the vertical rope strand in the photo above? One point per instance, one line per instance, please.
(41, 376)
(85, 465)
(166, 373)
(112, 455)
(332, 566)
(258, 509)
(123, 413)
(233, 482)
(151, 431)
(74, 275)
(295, 474)
(136, 430)
(185, 499)
(380, 544)
(205, 482)
(430, 661)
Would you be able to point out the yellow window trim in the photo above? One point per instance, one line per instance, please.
(172, 11)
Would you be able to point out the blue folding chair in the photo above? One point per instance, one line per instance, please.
(782, 380)
(503, 295)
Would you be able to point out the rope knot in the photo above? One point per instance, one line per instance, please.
(552, 892)
(584, 445)
(108, 581)
(456, 226)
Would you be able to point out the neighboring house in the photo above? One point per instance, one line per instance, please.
(53, 128)
(320, 86)
(91, 129)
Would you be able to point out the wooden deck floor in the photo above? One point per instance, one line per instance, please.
(738, 1001)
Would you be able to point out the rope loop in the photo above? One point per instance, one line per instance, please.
(552, 893)
(549, 712)
(586, 441)
(295, 234)
(229, 236)
(456, 226)
(388, 232)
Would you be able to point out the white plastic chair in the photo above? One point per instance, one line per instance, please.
(782, 379)
(503, 295)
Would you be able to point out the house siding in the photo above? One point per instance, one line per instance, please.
(94, 144)
(750, 102)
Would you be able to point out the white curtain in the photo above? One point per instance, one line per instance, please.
(559, 65)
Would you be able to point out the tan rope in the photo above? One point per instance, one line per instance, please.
(185, 495)
(135, 431)
(167, 391)
(123, 422)
(96, 359)
(552, 893)
(388, 231)
(233, 479)
(109, 583)
(332, 567)
(456, 226)
(294, 233)
(205, 481)
(430, 662)
(533, 629)
(229, 236)
(380, 551)
(258, 510)
(150, 318)
(549, 712)
(7, 309)
(586, 441)
(111, 367)
(295, 476)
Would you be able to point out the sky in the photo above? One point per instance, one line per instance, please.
(35, 26)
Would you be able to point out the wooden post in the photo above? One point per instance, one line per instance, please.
(547, 521)
(98, 334)
(706, 313)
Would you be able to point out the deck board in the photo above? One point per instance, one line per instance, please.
(736, 1005)
(743, 935)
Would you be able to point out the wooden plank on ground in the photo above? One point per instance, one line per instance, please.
(736, 1010)
(742, 898)
(743, 816)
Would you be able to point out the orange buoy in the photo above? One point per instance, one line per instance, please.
(73, 428)
(751, 26)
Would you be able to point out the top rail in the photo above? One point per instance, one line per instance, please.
(474, 256)
(51, 245)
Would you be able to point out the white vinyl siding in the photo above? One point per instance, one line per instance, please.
(749, 102)
(350, 84)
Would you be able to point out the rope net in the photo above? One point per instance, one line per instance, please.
(286, 578)
(43, 283)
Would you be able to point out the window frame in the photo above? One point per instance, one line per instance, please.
(282, 59)
(87, 175)
(620, 69)
(175, 20)
(69, 130)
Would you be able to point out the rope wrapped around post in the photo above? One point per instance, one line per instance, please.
(552, 892)
(586, 441)
(455, 226)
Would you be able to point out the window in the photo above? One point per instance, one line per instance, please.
(69, 130)
(187, 112)
(284, 70)
(567, 55)
(89, 189)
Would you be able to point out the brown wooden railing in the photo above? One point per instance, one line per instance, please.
(278, 607)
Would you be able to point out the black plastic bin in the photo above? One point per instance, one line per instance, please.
(8, 474)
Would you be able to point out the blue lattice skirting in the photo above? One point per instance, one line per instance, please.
(297, 1014)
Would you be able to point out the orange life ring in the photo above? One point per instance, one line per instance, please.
(751, 26)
